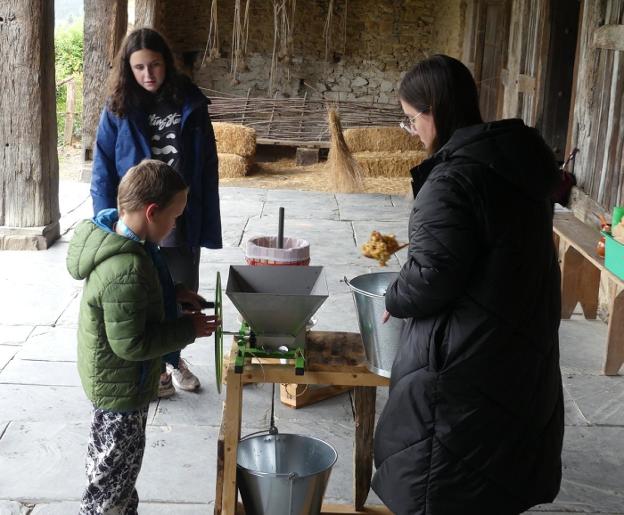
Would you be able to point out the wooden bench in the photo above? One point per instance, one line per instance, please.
(581, 270)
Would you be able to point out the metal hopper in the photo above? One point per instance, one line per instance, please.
(277, 301)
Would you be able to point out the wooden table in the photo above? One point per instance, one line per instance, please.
(332, 358)
(581, 270)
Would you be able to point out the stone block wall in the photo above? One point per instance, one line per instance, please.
(372, 43)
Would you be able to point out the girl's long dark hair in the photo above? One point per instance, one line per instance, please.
(125, 94)
(444, 87)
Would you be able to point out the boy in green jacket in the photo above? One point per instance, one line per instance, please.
(122, 330)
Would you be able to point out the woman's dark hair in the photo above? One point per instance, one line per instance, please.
(444, 87)
(125, 93)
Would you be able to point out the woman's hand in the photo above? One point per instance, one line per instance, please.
(385, 317)
(204, 325)
(190, 299)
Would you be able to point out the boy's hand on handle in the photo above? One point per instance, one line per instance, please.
(204, 325)
(190, 299)
(385, 317)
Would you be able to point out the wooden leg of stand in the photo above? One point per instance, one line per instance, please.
(580, 282)
(615, 333)
(220, 456)
(364, 401)
(232, 424)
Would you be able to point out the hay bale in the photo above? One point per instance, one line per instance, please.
(235, 139)
(389, 164)
(380, 139)
(233, 165)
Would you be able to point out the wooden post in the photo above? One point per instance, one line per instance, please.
(149, 13)
(232, 417)
(268, 134)
(246, 106)
(303, 108)
(29, 177)
(105, 24)
(70, 105)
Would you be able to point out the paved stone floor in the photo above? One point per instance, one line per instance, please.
(44, 415)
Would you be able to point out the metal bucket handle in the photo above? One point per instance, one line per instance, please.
(361, 292)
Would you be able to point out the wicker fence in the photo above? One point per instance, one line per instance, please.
(297, 121)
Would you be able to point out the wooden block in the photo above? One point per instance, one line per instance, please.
(306, 156)
(299, 395)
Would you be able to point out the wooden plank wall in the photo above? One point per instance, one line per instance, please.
(598, 128)
(528, 46)
(485, 50)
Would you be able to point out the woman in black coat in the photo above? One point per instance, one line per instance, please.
(474, 419)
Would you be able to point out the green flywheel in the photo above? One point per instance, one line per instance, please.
(218, 311)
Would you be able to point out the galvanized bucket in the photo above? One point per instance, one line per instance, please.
(381, 341)
(283, 474)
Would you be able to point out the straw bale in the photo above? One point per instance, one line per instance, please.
(233, 165)
(235, 139)
(380, 139)
(388, 164)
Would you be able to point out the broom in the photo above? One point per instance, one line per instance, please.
(345, 172)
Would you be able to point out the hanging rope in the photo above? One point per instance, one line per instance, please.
(283, 38)
(237, 42)
(327, 32)
(344, 28)
(212, 49)
(246, 26)
(273, 72)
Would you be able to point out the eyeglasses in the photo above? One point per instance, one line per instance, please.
(407, 123)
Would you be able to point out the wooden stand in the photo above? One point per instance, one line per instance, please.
(581, 271)
(335, 359)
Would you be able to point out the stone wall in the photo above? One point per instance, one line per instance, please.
(373, 42)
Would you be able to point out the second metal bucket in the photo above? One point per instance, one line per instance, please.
(381, 341)
(283, 474)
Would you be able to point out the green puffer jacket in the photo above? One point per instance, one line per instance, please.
(122, 333)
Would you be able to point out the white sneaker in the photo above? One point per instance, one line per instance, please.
(165, 387)
(183, 378)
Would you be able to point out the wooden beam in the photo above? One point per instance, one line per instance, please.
(293, 143)
(275, 374)
(105, 24)
(610, 37)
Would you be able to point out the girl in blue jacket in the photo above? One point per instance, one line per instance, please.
(154, 112)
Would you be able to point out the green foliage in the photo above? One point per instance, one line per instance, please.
(68, 46)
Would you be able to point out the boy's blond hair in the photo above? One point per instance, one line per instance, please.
(149, 182)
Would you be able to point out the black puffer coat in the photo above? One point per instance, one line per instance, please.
(474, 419)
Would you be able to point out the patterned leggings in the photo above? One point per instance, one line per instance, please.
(114, 457)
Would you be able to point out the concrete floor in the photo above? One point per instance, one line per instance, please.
(44, 416)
